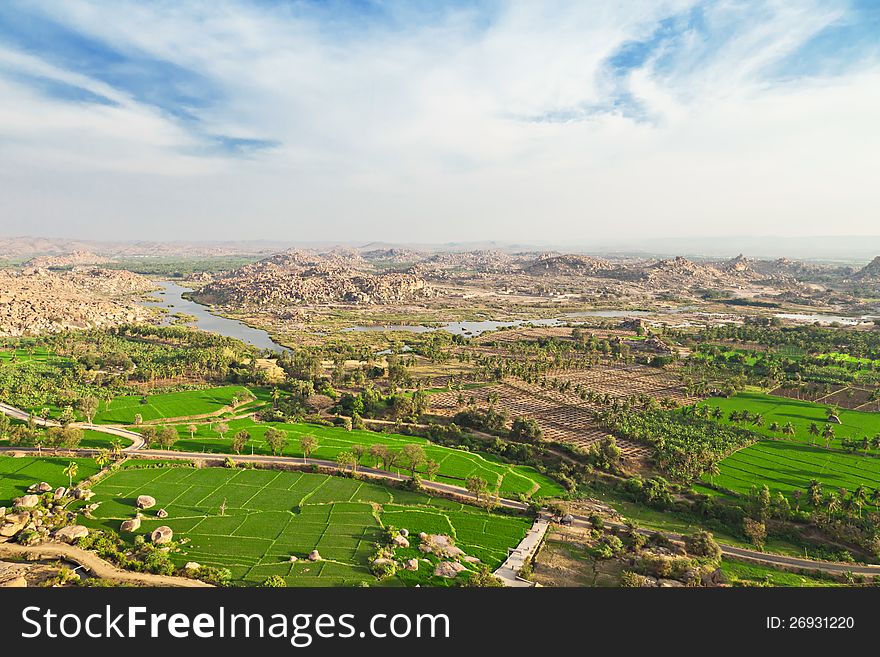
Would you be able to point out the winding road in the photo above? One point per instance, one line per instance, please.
(137, 441)
(137, 448)
(94, 564)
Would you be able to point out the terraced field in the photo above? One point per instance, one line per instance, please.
(455, 465)
(786, 467)
(16, 474)
(186, 403)
(271, 515)
(789, 465)
(854, 424)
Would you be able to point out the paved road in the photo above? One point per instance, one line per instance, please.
(137, 441)
(94, 564)
(508, 572)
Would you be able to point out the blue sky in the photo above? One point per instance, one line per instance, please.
(428, 121)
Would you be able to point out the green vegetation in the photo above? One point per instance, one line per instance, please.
(16, 474)
(789, 467)
(749, 574)
(106, 364)
(252, 521)
(455, 465)
(780, 411)
(184, 403)
(685, 445)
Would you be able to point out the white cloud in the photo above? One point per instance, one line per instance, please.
(418, 133)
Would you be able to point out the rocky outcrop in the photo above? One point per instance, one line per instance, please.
(568, 265)
(41, 301)
(161, 535)
(71, 533)
(299, 277)
(870, 272)
(448, 569)
(146, 501)
(67, 260)
(131, 525)
(440, 545)
(27, 501)
(12, 523)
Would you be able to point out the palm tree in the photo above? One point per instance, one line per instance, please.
(814, 432)
(828, 434)
(860, 495)
(788, 429)
(713, 471)
(71, 470)
(814, 492)
(116, 448)
(832, 503)
(102, 458)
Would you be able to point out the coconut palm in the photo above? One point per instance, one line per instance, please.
(102, 458)
(71, 470)
(828, 435)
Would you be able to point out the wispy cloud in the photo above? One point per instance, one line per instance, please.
(431, 120)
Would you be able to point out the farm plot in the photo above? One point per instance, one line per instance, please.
(788, 466)
(455, 466)
(563, 417)
(851, 397)
(16, 474)
(170, 405)
(29, 355)
(628, 380)
(801, 414)
(253, 521)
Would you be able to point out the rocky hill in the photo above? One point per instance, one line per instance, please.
(738, 265)
(568, 265)
(37, 300)
(301, 277)
(67, 260)
(870, 272)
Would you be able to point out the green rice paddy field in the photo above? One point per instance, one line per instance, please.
(167, 405)
(16, 474)
(272, 515)
(455, 465)
(789, 465)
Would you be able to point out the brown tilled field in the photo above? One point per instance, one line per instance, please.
(850, 397)
(563, 416)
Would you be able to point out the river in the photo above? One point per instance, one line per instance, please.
(172, 300)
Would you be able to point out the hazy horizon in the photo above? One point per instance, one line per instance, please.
(592, 124)
(848, 249)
